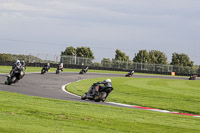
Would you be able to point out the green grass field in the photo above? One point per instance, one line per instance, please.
(28, 114)
(174, 95)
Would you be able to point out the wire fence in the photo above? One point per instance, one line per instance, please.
(105, 64)
(130, 65)
(76, 60)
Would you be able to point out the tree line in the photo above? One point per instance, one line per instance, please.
(27, 58)
(143, 56)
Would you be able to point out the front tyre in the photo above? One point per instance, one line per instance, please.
(57, 71)
(42, 71)
(11, 80)
(84, 96)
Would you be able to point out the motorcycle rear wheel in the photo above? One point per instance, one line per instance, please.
(100, 97)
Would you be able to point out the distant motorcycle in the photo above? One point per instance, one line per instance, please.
(59, 70)
(192, 77)
(15, 76)
(83, 71)
(130, 74)
(98, 94)
(44, 70)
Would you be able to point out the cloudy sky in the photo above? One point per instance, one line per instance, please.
(49, 26)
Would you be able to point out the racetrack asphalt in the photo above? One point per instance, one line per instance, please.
(50, 85)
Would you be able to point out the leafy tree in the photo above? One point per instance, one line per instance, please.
(142, 56)
(6, 57)
(121, 56)
(181, 60)
(13, 58)
(198, 71)
(84, 52)
(69, 51)
(79, 52)
(157, 57)
(97, 64)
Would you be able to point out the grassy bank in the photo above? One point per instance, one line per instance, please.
(174, 95)
(22, 114)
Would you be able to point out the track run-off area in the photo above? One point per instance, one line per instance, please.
(51, 85)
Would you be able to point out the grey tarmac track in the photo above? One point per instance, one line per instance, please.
(49, 85)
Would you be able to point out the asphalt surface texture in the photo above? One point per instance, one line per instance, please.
(49, 85)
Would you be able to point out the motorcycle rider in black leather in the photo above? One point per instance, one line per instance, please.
(60, 67)
(106, 84)
(16, 67)
(47, 66)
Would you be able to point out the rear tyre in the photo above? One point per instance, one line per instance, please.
(101, 97)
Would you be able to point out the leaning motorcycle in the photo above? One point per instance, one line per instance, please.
(99, 93)
(82, 72)
(44, 70)
(192, 77)
(59, 69)
(14, 77)
(130, 74)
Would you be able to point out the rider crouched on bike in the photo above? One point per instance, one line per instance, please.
(47, 66)
(60, 67)
(131, 73)
(16, 67)
(86, 69)
(106, 84)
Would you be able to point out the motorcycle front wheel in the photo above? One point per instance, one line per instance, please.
(57, 71)
(43, 71)
(11, 80)
(83, 97)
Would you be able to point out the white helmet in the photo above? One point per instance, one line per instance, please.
(17, 61)
(108, 80)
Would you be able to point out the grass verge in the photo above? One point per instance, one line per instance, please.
(22, 114)
(174, 95)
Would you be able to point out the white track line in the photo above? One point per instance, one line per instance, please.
(63, 88)
(125, 105)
